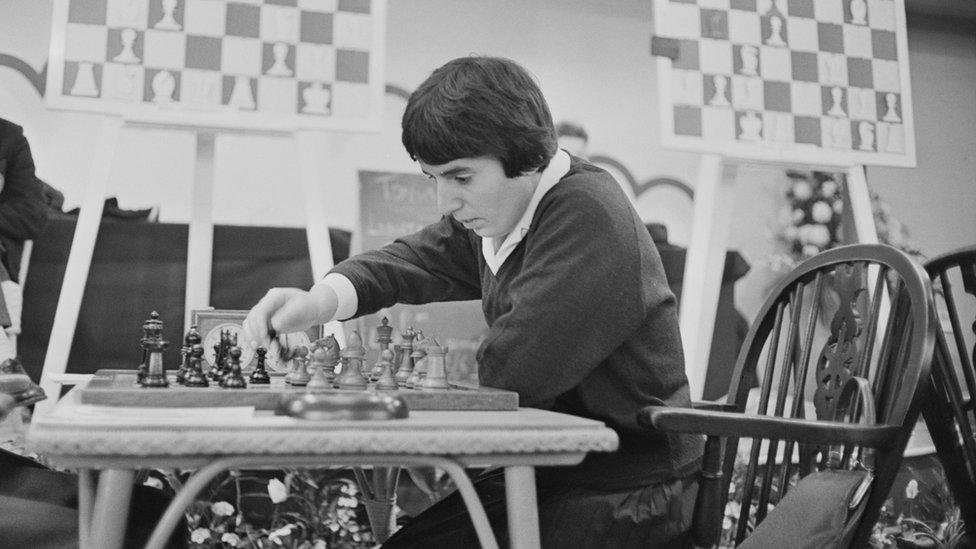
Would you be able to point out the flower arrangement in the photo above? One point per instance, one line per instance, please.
(309, 509)
(811, 218)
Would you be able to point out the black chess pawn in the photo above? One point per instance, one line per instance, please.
(300, 377)
(156, 374)
(194, 376)
(260, 374)
(215, 368)
(234, 379)
(384, 336)
(318, 365)
(386, 381)
(191, 338)
(351, 376)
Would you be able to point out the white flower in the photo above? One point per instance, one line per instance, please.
(791, 233)
(798, 215)
(818, 235)
(319, 544)
(810, 250)
(347, 501)
(802, 190)
(230, 539)
(154, 482)
(277, 491)
(828, 188)
(821, 212)
(838, 206)
(280, 533)
(222, 509)
(200, 535)
(911, 489)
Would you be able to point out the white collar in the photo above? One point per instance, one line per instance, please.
(557, 168)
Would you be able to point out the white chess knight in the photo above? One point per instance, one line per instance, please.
(168, 21)
(316, 99)
(891, 113)
(721, 85)
(241, 96)
(751, 126)
(775, 32)
(836, 97)
(85, 81)
(749, 56)
(163, 85)
(859, 12)
(865, 131)
(280, 65)
(128, 54)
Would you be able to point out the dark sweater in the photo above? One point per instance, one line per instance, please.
(581, 318)
(23, 211)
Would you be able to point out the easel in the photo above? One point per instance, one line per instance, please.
(200, 238)
(705, 259)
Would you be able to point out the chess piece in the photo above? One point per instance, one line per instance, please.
(234, 379)
(351, 376)
(127, 55)
(384, 336)
(84, 85)
(280, 65)
(721, 84)
(156, 374)
(749, 56)
(316, 98)
(891, 114)
(152, 330)
(319, 381)
(195, 376)
(436, 367)
(260, 374)
(836, 97)
(242, 97)
(751, 126)
(775, 32)
(419, 355)
(191, 338)
(406, 360)
(386, 381)
(859, 12)
(168, 22)
(300, 377)
(331, 347)
(865, 131)
(163, 85)
(215, 368)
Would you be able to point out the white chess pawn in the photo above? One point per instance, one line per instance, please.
(280, 65)
(316, 99)
(168, 22)
(241, 96)
(163, 85)
(721, 84)
(865, 131)
(127, 55)
(85, 81)
(859, 12)
(751, 126)
(836, 96)
(891, 114)
(775, 32)
(750, 60)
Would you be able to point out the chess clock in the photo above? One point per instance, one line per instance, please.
(211, 322)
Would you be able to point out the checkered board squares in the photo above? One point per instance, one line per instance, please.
(787, 80)
(300, 62)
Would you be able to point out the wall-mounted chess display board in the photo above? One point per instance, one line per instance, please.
(797, 81)
(250, 64)
(119, 388)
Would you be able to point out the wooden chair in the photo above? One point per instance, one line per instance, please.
(860, 312)
(951, 414)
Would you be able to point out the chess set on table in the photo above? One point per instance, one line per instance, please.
(413, 369)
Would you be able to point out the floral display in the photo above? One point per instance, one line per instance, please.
(811, 218)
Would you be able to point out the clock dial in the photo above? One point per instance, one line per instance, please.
(213, 338)
(279, 352)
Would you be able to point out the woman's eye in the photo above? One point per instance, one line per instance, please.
(462, 179)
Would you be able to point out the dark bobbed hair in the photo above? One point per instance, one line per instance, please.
(571, 129)
(480, 106)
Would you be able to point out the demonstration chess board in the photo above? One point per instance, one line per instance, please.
(807, 81)
(251, 63)
(119, 388)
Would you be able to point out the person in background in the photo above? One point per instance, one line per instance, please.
(572, 138)
(580, 317)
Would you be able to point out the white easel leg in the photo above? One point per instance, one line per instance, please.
(79, 261)
(199, 252)
(860, 205)
(704, 264)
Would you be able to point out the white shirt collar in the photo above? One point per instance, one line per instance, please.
(557, 168)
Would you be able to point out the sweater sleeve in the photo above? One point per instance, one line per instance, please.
(23, 212)
(576, 300)
(437, 263)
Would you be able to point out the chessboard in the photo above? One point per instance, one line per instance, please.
(119, 388)
(805, 81)
(261, 64)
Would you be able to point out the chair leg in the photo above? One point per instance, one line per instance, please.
(709, 506)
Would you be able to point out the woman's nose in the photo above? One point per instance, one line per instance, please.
(447, 200)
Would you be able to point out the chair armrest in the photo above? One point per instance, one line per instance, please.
(713, 406)
(733, 424)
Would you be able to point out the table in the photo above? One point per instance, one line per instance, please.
(109, 444)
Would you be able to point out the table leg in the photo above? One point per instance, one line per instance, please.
(86, 499)
(523, 512)
(111, 509)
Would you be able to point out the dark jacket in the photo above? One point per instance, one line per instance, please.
(23, 210)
